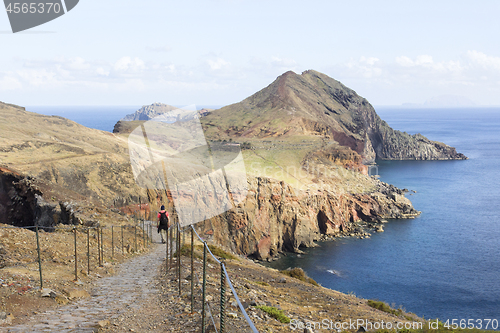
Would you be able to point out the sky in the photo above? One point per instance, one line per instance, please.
(218, 52)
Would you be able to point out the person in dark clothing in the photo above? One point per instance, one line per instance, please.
(163, 223)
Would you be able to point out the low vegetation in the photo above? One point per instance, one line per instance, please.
(262, 283)
(384, 307)
(218, 252)
(299, 274)
(274, 313)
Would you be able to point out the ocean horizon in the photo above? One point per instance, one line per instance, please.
(98, 117)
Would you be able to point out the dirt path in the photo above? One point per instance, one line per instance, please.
(111, 297)
(142, 297)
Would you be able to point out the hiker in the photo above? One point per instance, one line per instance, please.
(163, 223)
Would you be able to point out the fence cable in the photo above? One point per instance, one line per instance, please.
(242, 308)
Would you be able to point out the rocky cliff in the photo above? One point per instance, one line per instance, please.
(22, 203)
(314, 104)
(305, 139)
(276, 217)
(308, 135)
(148, 112)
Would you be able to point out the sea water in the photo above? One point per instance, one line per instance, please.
(102, 118)
(99, 117)
(444, 264)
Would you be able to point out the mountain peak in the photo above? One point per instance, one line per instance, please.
(314, 104)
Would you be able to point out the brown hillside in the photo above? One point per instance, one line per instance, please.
(314, 104)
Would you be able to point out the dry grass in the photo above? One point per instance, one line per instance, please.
(299, 274)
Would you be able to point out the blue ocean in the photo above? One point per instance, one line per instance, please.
(99, 117)
(444, 264)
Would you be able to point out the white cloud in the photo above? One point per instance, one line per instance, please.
(283, 63)
(376, 78)
(128, 64)
(484, 61)
(9, 82)
(426, 61)
(38, 77)
(101, 71)
(404, 61)
(404, 78)
(131, 85)
(369, 60)
(272, 66)
(217, 64)
(78, 64)
(366, 67)
(171, 68)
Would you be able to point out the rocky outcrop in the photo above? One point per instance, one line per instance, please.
(276, 217)
(94, 166)
(22, 204)
(148, 112)
(18, 198)
(314, 104)
(126, 127)
(395, 145)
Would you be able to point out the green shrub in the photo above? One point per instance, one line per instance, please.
(186, 251)
(275, 313)
(299, 274)
(221, 253)
(262, 283)
(384, 307)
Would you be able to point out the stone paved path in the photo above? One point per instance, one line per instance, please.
(111, 297)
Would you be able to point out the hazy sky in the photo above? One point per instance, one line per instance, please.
(110, 52)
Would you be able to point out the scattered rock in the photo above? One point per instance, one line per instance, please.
(257, 302)
(61, 299)
(46, 292)
(6, 318)
(76, 293)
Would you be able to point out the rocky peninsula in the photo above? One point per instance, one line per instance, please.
(307, 142)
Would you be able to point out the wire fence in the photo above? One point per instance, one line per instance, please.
(92, 246)
(207, 313)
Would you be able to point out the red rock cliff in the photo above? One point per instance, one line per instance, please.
(275, 217)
